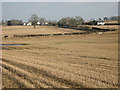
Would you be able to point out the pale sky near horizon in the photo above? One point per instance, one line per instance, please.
(60, 0)
(58, 10)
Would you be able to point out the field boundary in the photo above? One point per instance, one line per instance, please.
(56, 34)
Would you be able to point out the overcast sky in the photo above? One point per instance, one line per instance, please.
(58, 10)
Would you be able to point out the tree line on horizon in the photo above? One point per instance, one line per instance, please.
(63, 22)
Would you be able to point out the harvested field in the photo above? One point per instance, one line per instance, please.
(69, 61)
(104, 26)
(28, 30)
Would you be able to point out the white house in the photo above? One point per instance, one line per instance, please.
(38, 23)
(29, 24)
(24, 24)
(100, 23)
(46, 23)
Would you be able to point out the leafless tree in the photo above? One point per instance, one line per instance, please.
(105, 18)
(34, 19)
(42, 21)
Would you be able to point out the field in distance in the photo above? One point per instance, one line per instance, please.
(27, 30)
(104, 26)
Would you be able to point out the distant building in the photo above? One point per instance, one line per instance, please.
(100, 23)
(29, 24)
(46, 23)
(38, 23)
(24, 24)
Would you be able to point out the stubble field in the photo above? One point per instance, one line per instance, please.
(70, 61)
(28, 30)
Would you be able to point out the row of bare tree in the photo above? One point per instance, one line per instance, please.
(64, 22)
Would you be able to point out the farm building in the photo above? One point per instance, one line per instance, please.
(28, 24)
(38, 23)
(46, 23)
(24, 24)
(100, 23)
